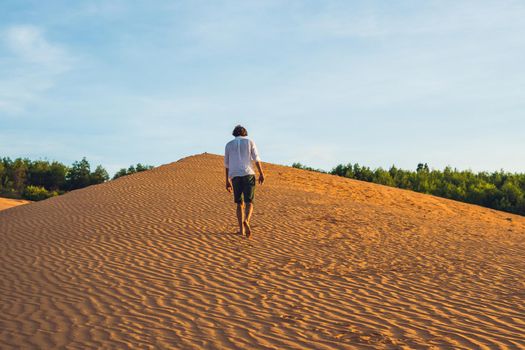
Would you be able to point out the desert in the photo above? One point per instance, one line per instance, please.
(153, 261)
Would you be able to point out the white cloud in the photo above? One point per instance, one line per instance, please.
(29, 44)
(31, 65)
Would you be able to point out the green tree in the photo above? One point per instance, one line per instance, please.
(512, 193)
(78, 176)
(2, 174)
(19, 174)
(120, 173)
(5, 178)
(98, 176)
(38, 173)
(383, 177)
(141, 167)
(57, 176)
(422, 168)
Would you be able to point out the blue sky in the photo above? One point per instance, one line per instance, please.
(318, 82)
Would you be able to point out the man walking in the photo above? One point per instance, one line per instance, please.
(238, 157)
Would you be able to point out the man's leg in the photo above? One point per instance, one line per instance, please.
(247, 217)
(240, 217)
(248, 194)
(238, 199)
(248, 212)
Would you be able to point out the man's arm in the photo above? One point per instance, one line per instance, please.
(228, 181)
(261, 173)
(257, 159)
(226, 164)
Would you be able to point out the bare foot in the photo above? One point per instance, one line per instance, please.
(248, 229)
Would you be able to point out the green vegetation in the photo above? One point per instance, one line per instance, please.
(37, 193)
(497, 190)
(131, 170)
(41, 179)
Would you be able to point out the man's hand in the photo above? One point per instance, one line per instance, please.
(261, 179)
(261, 174)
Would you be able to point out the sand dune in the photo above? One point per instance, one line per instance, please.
(8, 203)
(151, 261)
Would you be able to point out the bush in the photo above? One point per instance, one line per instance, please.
(37, 193)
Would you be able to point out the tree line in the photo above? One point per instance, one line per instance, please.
(498, 190)
(41, 179)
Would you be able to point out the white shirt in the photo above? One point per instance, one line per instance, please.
(238, 156)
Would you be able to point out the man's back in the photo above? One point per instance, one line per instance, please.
(240, 177)
(238, 156)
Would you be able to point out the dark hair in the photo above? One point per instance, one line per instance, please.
(239, 131)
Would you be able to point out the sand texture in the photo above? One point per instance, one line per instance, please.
(151, 261)
(9, 203)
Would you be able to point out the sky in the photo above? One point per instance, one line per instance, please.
(317, 82)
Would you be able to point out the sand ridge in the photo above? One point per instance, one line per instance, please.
(151, 261)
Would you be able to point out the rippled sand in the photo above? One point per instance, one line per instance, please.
(152, 261)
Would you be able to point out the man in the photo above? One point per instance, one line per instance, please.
(238, 157)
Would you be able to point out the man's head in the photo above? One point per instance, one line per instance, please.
(239, 131)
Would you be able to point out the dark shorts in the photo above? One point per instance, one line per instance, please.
(243, 188)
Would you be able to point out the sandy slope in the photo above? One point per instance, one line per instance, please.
(150, 261)
(8, 203)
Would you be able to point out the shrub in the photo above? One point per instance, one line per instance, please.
(37, 193)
